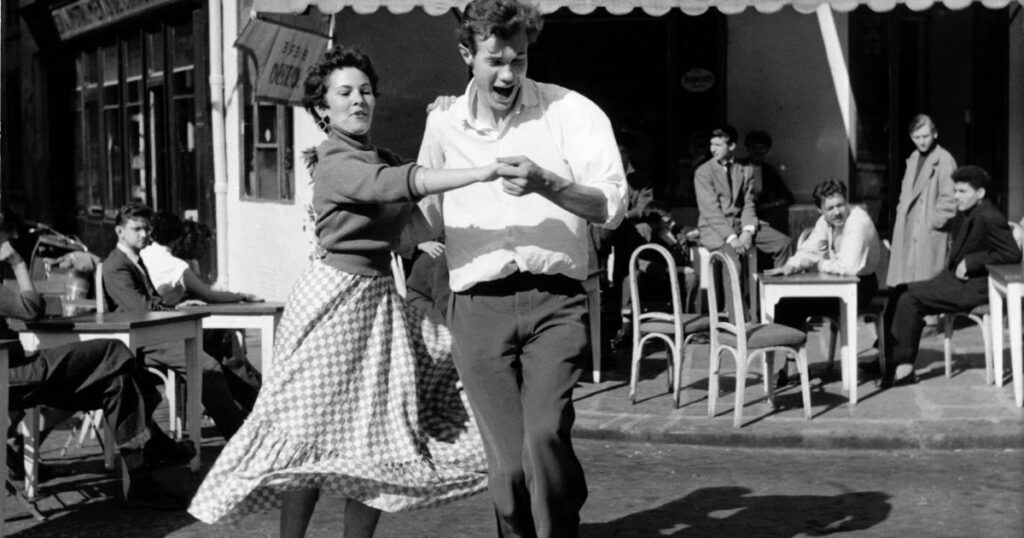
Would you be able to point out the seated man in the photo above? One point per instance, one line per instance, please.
(725, 198)
(980, 236)
(129, 288)
(100, 374)
(844, 241)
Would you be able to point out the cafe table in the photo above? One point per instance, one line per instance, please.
(1007, 282)
(136, 330)
(813, 285)
(263, 316)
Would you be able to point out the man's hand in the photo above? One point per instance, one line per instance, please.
(644, 199)
(961, 270)
(784, 270)
(79, 260)
(9, 255)
(741, 243)
(431, 248)
(521, 176)
(444, 102)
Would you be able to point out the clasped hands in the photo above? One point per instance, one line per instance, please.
(742, 242)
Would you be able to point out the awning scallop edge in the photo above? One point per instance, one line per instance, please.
(620, 7)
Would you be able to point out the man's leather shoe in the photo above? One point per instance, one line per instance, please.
(163, 451)
(144, 491)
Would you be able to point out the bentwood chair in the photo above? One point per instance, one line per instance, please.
(747, 341)
(675, 329)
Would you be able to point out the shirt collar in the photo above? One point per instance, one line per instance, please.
(133, 256)
(473, 117)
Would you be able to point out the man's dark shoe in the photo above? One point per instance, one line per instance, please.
(163, 451)
(144, 491)
(873, 368)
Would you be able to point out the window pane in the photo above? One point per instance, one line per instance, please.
(133, 67)
(185, 180)
(155, 55)
(110, 69)
(267, 173)
(287, 160)
(113, 147)
(267, 124)
(184, 82)
(93, 156)
(137, 177)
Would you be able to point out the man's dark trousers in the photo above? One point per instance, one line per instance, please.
(943, 294)
(519, 343)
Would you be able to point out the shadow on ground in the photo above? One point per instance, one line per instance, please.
(732, 511)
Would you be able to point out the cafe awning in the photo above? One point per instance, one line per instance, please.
(619, 7)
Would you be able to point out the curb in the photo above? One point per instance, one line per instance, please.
(820, 434)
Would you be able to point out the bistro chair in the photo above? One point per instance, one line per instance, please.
(747, 341)
(676, 328)
(702, 257)
(980, 315)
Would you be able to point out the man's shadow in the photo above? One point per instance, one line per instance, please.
(723, 512)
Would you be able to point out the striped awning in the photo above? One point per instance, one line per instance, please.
(620, 7)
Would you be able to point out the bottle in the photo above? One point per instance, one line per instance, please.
(76, 288)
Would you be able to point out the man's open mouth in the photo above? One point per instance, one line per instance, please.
(505, 91)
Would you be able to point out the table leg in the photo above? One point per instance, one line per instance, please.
(266, 346)
(848, 319)
(1013, 299)
(995, 303)
(4, 395)
(194, 383)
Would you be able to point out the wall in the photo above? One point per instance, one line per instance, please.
(1015, 166)
(416, 58)
(778, 80)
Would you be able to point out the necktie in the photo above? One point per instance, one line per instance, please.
(150, 288)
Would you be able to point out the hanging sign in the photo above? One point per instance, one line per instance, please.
(283, 55)
(80, 16)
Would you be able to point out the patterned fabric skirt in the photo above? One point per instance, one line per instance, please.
(362, 400)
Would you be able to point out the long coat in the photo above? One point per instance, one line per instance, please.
(926, 203)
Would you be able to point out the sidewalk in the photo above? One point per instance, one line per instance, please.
(936, 413)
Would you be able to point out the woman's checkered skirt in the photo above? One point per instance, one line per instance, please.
(361, 400)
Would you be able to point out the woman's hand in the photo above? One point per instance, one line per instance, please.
(444, 102)
(189, 302)
(250, 298)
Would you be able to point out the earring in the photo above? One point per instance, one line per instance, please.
(322, 123)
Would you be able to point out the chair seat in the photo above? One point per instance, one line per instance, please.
(761, 335)
(692, 323)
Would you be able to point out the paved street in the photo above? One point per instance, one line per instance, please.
(640, 490)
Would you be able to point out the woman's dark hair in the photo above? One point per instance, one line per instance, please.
(501, 18)
(335, 58)
(166, 227)
(193, 242)
(828, 188)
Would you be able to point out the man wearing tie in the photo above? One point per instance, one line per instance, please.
(128, 288)
(726, 201)
(981, 236)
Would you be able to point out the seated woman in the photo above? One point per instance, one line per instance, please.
(171, 262)
(177, 281)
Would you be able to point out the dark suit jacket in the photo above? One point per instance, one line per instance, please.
(725, 207)
(981, 236)
(127, 288)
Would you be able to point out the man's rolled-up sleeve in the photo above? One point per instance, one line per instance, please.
(593, 155)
